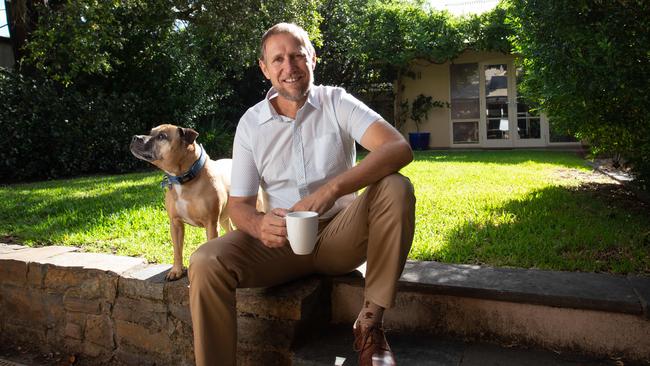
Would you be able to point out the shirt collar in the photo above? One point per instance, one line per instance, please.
(268, 113)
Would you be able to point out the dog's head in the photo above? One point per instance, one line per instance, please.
(164, 145)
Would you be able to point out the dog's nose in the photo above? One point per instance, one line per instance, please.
(135, 138)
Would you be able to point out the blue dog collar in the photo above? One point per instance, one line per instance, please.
(194, 170)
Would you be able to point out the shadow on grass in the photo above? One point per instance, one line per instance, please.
(567, 159)
(44, 212)
(592, 227)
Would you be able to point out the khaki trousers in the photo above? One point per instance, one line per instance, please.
(378, 227)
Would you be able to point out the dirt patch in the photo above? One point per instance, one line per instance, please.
(602, 187)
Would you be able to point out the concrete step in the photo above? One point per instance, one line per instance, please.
(334, 347)
(598, 314)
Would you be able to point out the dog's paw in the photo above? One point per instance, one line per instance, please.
(175, 273)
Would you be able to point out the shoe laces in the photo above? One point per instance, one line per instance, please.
(372, 335)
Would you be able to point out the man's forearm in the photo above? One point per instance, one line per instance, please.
(245, 217)
(385, 160)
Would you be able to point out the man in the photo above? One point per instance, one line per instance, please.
(298, 144)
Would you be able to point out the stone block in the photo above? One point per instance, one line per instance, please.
(13, 272)
(25, 334)
(177, 292)
(74, 331)
(24, 306)
(36, 274)
(8, 248)
(152, 314)
(36, 254)
(148, 282)
(80, 305)
(280, 302)
(100, 261)
(99, 330)
(181, 337)
(127, 355)
(139, 336)
(265, 333)
(251, 356)
(181, 312)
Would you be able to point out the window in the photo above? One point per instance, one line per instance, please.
(4, 26)
(465, 103)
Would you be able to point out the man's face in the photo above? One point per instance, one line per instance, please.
(288, 65)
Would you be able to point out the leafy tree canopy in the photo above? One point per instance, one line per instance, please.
(587, 64)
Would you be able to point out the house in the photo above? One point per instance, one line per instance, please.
(485, 110)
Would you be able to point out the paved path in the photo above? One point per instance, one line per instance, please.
(334, 348)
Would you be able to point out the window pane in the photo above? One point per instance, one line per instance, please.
(528, 127)
(464, 91)
(466, 132)
(496, 101)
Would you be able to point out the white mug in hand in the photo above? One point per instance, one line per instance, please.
(302, 231)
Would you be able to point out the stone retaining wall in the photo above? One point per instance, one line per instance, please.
(119, 310)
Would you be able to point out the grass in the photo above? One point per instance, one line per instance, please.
(529, 209)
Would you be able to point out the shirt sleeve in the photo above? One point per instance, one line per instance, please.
(354, 116)
(245, 179)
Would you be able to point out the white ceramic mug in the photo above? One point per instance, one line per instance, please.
(302, 231)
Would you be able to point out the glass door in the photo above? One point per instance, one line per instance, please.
(498, 130)
(530, 126)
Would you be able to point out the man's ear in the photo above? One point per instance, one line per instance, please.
(265, 71)
(188, 135)
(313, 62)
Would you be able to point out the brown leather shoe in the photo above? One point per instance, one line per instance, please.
(372, 346)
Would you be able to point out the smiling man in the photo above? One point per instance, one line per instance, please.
(298, 144)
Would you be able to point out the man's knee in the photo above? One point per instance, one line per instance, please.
(398, 187)
(208, 260)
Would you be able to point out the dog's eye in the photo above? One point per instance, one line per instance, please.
(162, 136)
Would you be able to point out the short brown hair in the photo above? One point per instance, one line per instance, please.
(295, 30)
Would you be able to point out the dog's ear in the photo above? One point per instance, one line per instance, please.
(188, 135)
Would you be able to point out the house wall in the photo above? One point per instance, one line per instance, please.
(433, 80)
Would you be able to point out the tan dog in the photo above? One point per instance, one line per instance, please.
(198, 187)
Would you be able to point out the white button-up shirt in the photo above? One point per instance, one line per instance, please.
(292, 158)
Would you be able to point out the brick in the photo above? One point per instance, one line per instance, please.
(99, 330)
(136, 335)
(145, 312)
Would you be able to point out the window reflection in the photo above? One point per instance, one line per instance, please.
(496, 102)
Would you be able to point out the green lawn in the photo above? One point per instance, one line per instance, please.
(528, 209)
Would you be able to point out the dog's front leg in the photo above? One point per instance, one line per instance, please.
(211, 231)
(177, 228)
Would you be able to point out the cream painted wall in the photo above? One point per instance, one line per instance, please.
(433, 80)
(430, 80)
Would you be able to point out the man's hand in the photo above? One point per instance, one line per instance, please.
(320, 201)
(273, 229)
